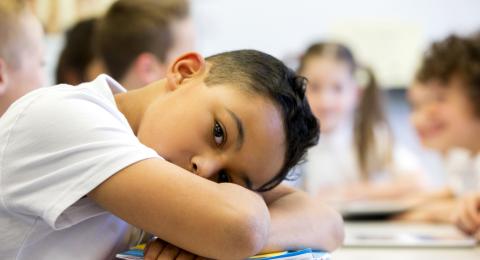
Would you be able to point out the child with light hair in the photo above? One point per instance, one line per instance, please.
(21, 52)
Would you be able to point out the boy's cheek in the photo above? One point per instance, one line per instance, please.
(416, 120)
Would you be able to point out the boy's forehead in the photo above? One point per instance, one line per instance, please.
(430, 85)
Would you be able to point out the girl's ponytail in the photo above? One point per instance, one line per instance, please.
(368, 117)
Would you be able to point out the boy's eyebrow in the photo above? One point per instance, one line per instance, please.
(240, 138)
(239, 125)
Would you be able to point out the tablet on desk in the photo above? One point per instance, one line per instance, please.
(373, 210)
(407, 239)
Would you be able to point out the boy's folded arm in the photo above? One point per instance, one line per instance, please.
(298, 221)
(214, 220)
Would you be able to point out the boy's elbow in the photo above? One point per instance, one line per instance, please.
(251, 234)
(248, 230)
(337, 232)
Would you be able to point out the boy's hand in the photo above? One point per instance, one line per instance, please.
(437, 211)
(468, 214)
(158, 249)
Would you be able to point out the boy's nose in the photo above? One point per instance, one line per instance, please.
(206, 166)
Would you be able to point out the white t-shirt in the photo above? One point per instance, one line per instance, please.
(463, 171)
(56, 145)
(333, 162)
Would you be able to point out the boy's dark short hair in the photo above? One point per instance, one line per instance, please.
(131, 27)
(454, 56)
(260, 73)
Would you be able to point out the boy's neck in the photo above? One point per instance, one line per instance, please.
(475, 149)
(4, 104)
(473, 144)
(134, 103)
(131, 82)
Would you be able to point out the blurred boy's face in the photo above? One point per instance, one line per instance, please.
(331, 91)
(218, 132)
(28, 71)
(147, 68)
(443, 116)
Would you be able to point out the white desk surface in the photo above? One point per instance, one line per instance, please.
(377, 253)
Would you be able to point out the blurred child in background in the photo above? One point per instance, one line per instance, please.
(21, 52)
(445, 99)
(77, 61)
(137, 39)
(356, 157)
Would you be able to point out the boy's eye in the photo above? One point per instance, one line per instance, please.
(218, 134)
(223, 177)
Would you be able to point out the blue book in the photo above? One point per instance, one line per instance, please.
(304, 254)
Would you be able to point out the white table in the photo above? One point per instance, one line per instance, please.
(412, 253)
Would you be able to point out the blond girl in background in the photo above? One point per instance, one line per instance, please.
(356, 158)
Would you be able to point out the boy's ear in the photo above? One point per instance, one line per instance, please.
(188, 66)
(147, 68)
(3, 76)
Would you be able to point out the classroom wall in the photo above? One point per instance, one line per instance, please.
(389, 35)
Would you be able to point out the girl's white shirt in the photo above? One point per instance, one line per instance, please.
(332, 162)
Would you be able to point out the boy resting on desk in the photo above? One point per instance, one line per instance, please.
(76, 162)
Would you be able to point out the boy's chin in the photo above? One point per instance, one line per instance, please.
(436, 145)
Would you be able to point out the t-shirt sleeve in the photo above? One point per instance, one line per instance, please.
(60, 148)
